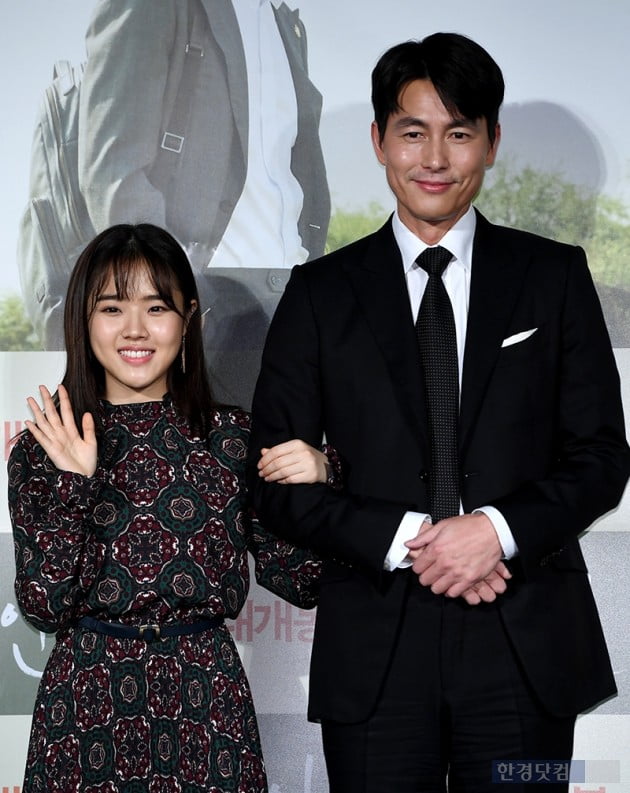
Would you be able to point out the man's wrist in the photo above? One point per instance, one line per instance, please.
(509, 548)
(408, 528)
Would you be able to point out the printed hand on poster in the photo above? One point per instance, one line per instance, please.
(23, 655)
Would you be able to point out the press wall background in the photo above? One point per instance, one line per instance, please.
(563, 171)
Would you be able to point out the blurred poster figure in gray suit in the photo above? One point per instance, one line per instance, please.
(199, 116)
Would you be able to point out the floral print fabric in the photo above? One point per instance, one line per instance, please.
(158, 535)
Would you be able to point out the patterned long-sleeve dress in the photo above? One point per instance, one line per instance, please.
(159, 534)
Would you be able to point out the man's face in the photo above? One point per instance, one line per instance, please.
(434, 163)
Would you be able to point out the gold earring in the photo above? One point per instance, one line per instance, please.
(184, 354)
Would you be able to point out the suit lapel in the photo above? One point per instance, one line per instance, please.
(293, 37)
(225, 30)
(292, 34)
(379, 285)
(498, 272)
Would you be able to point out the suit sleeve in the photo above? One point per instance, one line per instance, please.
(122, 99)
(290, 402)
(591, 456)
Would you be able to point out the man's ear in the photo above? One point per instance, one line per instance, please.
(494, 146)
(376, 142)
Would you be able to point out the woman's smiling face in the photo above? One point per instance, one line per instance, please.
(136, 339)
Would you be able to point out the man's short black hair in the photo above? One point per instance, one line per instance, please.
(467, 80)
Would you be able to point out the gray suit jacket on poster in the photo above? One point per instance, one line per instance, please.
(136, 54)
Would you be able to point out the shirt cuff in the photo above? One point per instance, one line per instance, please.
(407, 529)
(506, 539)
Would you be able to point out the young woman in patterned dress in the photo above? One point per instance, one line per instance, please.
(131, 528)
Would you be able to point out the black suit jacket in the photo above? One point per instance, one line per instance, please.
(541, 438)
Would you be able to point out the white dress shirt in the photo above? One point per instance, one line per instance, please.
(263, 228)
(456, 277)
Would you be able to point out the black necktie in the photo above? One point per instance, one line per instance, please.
(435, 328)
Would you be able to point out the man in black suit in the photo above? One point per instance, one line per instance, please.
(446, 653)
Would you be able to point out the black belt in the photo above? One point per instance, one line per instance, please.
(148, 633)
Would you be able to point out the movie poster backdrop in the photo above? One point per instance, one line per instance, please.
(563, 171)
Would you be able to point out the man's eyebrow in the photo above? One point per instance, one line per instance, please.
(414, 121)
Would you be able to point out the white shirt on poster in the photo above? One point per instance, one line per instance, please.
(263, 228)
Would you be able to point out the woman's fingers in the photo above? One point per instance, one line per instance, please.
(56, 431)
(292, 462)
(65, 408)
(50, 410)
(89, 429)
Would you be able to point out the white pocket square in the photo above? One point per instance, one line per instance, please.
(524, 334)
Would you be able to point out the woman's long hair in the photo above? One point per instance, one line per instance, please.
(121, 251)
